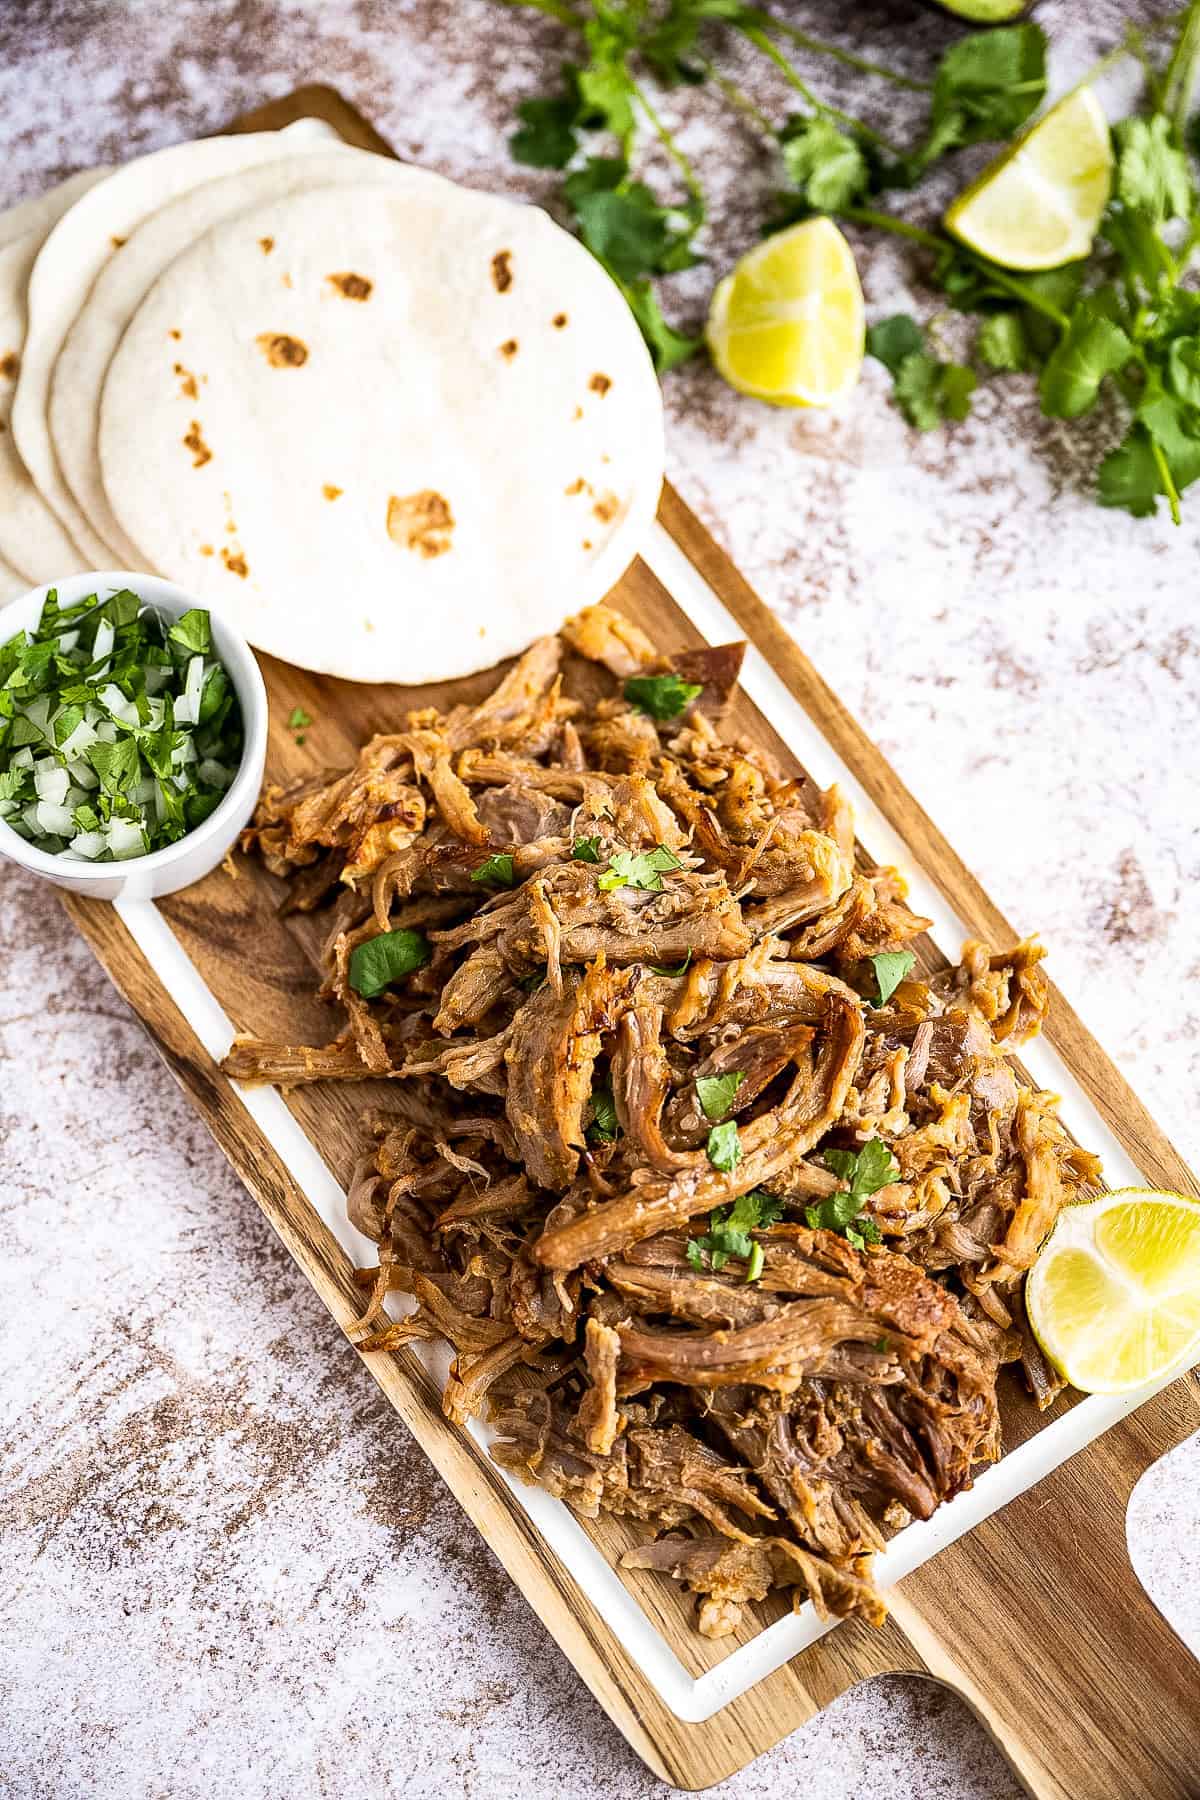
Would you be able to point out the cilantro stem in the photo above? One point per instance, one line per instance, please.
(1180, 77)
(667, 139)
(819, 47)
(762, 42)
(1164, 475)
(929, 240)
(741, 102)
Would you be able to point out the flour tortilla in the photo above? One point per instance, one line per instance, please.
(73, 255)
(32, 540)
(122, 284)
(404, 486)
(44, 210)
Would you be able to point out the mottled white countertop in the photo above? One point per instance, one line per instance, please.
(229, 1574)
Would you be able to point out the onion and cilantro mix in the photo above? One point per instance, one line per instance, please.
(119, 730)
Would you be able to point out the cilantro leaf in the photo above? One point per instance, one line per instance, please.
(1129, 475)
(639, 869)
(891, 968)
(586, 850)
(662, 697)
(191, 631)
(724, 1147)
(604, 1126)
(385, 959)
(824, 163)
(298, 719)
(546, 138)
(893, 339)
(1152, 174)
(668, 347)
(1183, 369)
(985, 88)
(928, 390)
(115, 764)
(1002, 342)
(496, 871)
(716, 1092)
(1092, 347)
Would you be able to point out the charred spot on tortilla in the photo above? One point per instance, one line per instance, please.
(286, 279)
(118, 242)
(235, 562)
(231, 527)
(351, 286)
(502, 278)
(587, 544)
(207, 550)
(559, 321)
(175, 334)
(281, 350)
(421, 522)
(606, 508)
(10, 365)
(577, 414)
(266, 245)
(187, 383)
(330, 492)
(600, 384)
(576, 487)
(508, 348)
(194, 442)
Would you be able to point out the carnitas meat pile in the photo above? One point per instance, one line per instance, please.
(723, 1208)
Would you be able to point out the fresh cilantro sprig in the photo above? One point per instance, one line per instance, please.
(716, 1092)
(864, 1171)
(386, 959)
(495, 871)
(728, 1234)
(725, 1147)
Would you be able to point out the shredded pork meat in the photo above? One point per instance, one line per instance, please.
(620, 910)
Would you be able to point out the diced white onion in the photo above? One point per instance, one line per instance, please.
(53, 819)
(104, 640)
(22, 758)
(106, 731)
(68, 640)
(88, 844)
(7, 807)
(79, 740)
(142, 792)
(187, 710)
(83, 774)
(120, 708)
(184, 753)
(125, 838)
(38, 712)
(213, 773)
(156, 679)
(51, 782)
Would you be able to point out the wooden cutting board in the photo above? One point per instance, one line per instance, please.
(1035, 1616)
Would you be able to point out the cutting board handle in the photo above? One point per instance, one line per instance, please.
(1039, 1622)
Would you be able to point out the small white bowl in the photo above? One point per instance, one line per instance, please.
(179, 864)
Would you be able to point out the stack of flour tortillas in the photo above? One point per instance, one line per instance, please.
(393, 428)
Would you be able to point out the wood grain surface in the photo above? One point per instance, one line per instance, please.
(1035, 1617)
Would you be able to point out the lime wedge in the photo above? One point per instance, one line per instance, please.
(1039, 204)
(1114, 1297)
(786, 324)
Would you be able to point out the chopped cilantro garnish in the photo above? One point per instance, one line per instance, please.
(728, 1234)
(603, 1128)
(119, 729)
(385, 959)
(715, 1092)
(891, 968)
(725, 1147)
(586, 849)
(865, 1172)
(661, 696)
(659, 969)
(639, 869)
(497, 871)
(298, 719)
